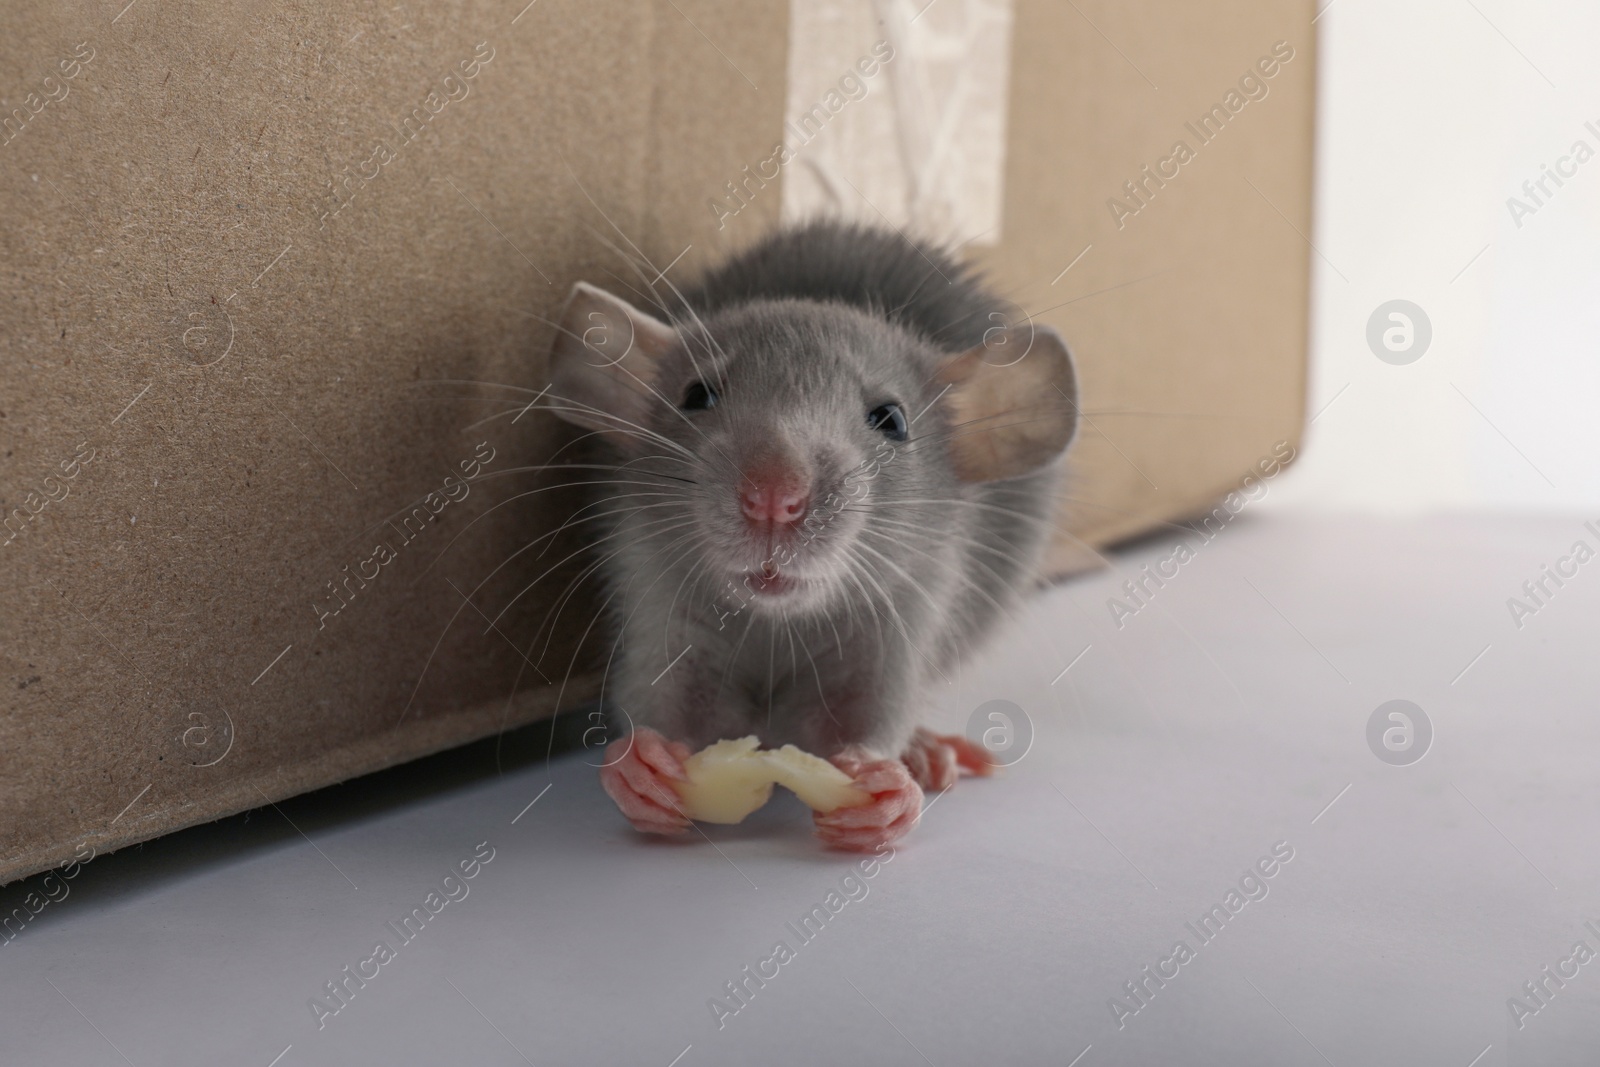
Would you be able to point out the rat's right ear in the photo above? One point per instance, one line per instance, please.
(604, 360)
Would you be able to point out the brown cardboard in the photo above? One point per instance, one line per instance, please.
(1189, 322)
(229, 318)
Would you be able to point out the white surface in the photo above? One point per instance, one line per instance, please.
(1174, 753)
(1432, 114)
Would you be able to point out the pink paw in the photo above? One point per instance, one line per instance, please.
(638, 775)
(937, 760)
(895, 807)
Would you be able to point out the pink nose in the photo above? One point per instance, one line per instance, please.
(778, 501)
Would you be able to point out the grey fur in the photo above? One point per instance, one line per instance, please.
(803, 334)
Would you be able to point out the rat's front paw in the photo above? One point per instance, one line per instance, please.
(937, 760)
(894, 809)
(638, 774)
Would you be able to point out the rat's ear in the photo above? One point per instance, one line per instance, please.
(604, 359)
(1010, 414)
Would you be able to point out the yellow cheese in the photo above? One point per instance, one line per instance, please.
(730, 779)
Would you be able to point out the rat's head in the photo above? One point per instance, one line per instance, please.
(797, 443)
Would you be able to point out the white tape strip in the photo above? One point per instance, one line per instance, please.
(897, 112)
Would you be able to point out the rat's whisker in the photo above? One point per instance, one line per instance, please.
(912, 531)
(622, 629)
(577, 648)
(648, 299)
(923, 441)
(420, 503)
(855, 574)
(617, 424)
(788, 632)
(772, 641)
(630, 260)
(680, 413)
(677, 503)
(519, 551)
(816, 676)
(700, 334)
(967, 581)
(656, 525)
(546, 573)
(991, 416)
(838, 641)
(547, 624)
(478, 382)
(872, 576)
(468, 599)
(547, 322)
(642, 477)
(909, 580)
(620, 468)
(959, 502)
(964, 579)
(750, 622)
(672, 606)
(519, 496)
(597, 412)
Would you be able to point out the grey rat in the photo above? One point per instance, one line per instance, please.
(833, 465)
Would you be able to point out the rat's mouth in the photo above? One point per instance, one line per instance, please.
(768, 580)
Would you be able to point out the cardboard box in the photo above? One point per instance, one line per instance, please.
(257, 540)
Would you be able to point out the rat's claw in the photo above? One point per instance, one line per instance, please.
(894, 809)
(638, 775)
(937, 760)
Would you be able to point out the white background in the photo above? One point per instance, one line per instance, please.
(1432, 114)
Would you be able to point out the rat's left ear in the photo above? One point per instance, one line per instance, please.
(1010, 414)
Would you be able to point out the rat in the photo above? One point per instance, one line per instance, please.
(830, 471)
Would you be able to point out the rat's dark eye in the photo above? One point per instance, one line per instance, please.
(699, 397)
(889, 420)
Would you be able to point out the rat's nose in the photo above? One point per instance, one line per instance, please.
(780, 499)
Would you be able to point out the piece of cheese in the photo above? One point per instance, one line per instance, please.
(730, 779)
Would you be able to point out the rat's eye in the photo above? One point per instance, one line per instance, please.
(889, 420)
(699, 397)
